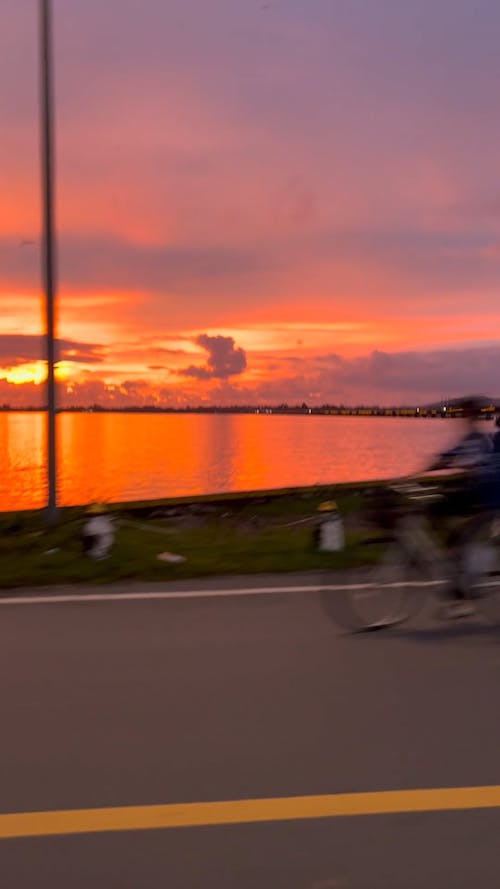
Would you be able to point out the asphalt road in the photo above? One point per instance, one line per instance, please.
(190, 700)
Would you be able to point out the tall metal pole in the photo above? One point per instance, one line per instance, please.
(49, 253)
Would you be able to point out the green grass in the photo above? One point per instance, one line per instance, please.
(262, 531)
(265, 532)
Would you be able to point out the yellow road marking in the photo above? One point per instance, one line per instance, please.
(72, 821)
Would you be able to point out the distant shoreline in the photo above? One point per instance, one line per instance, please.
(444, 412)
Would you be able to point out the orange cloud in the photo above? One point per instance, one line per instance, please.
(300, 219)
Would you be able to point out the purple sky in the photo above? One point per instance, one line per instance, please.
(318, 183)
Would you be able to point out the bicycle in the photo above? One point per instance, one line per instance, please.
(407, 562)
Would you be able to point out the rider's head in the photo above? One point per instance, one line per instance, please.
(471, 409)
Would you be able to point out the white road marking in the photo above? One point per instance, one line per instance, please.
(51, 599)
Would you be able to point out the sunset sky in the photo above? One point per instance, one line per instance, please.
(257, 201)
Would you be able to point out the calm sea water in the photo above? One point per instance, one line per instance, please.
(115, 457)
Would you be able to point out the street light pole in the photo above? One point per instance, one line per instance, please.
(49, 253)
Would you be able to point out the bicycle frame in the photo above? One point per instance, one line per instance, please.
(413, 564)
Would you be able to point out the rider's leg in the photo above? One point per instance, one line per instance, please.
(459, 553)
(453, 504)
(456, 595)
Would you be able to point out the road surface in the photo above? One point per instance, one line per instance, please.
(154, 702)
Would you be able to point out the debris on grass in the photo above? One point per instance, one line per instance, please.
(170, 557)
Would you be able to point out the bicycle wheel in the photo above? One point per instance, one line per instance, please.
(481, 558)
(388, 593)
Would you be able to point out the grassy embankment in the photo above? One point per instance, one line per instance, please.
(230, 534)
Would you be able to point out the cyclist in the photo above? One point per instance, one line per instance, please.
(471, 454)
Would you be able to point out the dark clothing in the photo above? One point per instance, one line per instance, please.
(469, 502)
(487, 476)
(469, 452)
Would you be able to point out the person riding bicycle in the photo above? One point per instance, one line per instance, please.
(472, 455)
